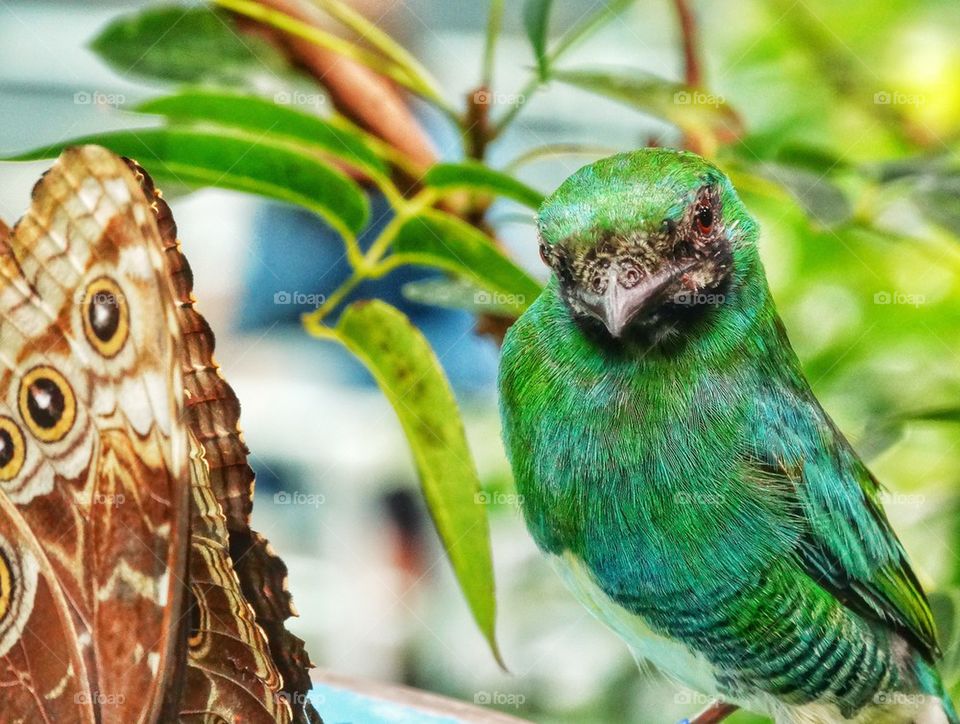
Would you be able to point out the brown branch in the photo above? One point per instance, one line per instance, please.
(692, 74)
(716, 712)
(477, 129)
(370, 100)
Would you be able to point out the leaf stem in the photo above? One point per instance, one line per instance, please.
(577, 33)
(403, 212)
(507, 118)
(370, 265)
(313, 321)
(494, 23)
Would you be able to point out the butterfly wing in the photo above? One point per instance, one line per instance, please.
(90, 388)
(230, 672)
(42, 674)
(213, 413)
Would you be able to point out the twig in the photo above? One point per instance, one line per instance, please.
(716, 712)
(476, 123)
(692, 73)
(358, 92)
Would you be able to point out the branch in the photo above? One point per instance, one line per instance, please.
(359, 93)
(691, 47)
(716, 712)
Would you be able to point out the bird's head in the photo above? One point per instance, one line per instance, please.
(643, 240)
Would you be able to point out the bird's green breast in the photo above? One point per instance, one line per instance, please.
(625, 459)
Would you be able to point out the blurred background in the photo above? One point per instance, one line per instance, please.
(853, 109)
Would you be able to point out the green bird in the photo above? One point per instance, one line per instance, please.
(674, 463)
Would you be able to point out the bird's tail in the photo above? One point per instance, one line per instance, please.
(931, 684)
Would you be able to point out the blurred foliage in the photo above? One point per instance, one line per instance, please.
(838, 122)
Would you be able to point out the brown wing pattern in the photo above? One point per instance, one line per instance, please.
(213, 414)
(42, 679)
(93, 452)
(230, 675)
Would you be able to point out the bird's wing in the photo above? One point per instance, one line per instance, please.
(847, 544)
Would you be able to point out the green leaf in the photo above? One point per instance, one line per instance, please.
(936, 414)
(912, 167)
(190, 45)
(478, 177)
(812, 157)
(235, 160)
(455, 293)
(820, 199)
(410, 375)
(689, 109)
(536, 17)
(556, 150)
(945, 605)
(440, 240)
(938, 198)
(589, 25)
(258, 115)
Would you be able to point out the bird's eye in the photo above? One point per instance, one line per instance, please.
(704, 219)
(545, 254)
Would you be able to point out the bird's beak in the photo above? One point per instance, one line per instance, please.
(618, 306)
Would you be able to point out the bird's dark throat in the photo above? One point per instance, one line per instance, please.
(667, 327)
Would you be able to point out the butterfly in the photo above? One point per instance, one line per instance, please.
(132, 588)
